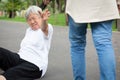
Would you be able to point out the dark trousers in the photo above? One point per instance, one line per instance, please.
(16, 68)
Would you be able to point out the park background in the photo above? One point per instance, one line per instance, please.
(14, 10)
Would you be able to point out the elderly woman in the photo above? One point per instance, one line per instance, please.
(32, 59)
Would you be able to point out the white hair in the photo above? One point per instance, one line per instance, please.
(33, 9)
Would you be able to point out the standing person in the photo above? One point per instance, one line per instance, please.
(100, 14)
(32, 59)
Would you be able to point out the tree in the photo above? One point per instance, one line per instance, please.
(11, 6)
(58, 5)
(61, 5)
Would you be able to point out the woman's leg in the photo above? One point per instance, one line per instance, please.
(8, 59)
(16, 68)
(102, 34)
(23, 71)
(77, 36)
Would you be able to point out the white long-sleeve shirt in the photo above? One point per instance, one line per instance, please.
(35, 47)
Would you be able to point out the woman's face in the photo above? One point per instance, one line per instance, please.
(34, 21)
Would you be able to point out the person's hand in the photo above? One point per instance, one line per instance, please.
(45, 15)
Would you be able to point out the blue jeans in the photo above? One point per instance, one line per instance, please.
(102, 34)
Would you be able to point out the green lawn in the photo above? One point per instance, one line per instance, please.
(114, 26)
(17, 19)
(58, 19)
(55, 19)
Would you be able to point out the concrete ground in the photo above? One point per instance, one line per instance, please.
(59, 68)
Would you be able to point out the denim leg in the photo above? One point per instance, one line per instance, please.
(102, 34)
(77, 37)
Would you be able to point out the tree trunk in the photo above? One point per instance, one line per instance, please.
(37, 2)
(53, 6)
(118, 24)
(59, 5)
(12, 14)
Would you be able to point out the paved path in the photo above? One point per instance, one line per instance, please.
(11, 33)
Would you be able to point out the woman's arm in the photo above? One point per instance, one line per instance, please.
(45, 27)
(45, 15)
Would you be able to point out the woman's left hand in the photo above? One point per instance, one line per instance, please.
(45, 15)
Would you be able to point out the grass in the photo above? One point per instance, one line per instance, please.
(114, 26)
(55, 19)
(17, 19)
